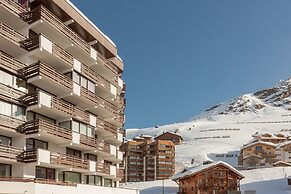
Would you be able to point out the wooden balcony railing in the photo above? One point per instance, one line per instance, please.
(95, 77)
(13, 7)
(103, 168)
(41, 69)
(10, 63)
(120, 100)
(59, 105)
(68, 160)
(95, 143)
(43, 13)
(107, 126)
(57, 158)
(11, 34)
(9, 152)
(10, 94)
(8, 122)
(120, 173)
(40, 125)
(108, 64)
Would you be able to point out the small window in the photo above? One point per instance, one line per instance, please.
(76, 78)
(91, 86)
(84, 82)
(5, 140)
(5, 170)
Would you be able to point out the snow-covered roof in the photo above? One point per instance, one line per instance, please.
(282, 162)
(118, 57)
(197, 169)
(259, 142)
(88, 20)
(137, 137)
(147, 136)
(170, 133)
(284, 143)
(252, 155)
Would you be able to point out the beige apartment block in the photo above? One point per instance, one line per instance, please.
(148, 160)
(61, 101)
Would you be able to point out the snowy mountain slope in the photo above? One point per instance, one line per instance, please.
(219, 132)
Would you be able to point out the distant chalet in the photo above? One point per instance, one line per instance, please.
(216, 177)
(175, 138)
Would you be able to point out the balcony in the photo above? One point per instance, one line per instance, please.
(103, 168)
(9, 154)
(10, 40)
(11, 12)
(11, 94)
(9, 63)
(47, 131)
(47, 78)
(105, 66)
(56, 160)
(53, 107)
(9, 125)
(41, 20)
(43, 49)
(106, 129)
(96, 145)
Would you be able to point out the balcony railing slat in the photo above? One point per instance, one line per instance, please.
(11, 34)
(13, 7)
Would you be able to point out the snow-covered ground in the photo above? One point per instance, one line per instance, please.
(264, 181)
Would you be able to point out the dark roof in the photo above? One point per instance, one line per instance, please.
(171, 133)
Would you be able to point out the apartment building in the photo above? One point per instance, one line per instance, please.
(61, 101)
(146, 159)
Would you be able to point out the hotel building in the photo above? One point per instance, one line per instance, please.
(61, 101)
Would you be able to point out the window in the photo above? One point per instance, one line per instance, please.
(10, 80)
(33, 144)
(5, 170)
(258, 148)
(66, 125)
(5, 140)
(84, 82)
(91, 86)
(72, 177)
(45, 173)
(90, 132)
(91, 157)
(81, 128)
(5, 108)
(76, 78)
(12, 110)
(94, 180)
(73, 152)
(75, 126)
(107, 182)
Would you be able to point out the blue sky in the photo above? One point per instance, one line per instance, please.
(182, 57)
